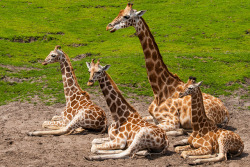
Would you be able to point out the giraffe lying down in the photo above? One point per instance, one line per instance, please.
(128, 130)
(206, 139)
(80, 111)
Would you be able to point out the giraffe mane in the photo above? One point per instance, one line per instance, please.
(157, 50)
(119, 93)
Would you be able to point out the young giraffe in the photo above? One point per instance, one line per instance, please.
(206, 138)
(80, 111)
(128, 129)
(167, 110)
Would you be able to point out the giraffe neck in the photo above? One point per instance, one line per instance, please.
(199, 117)
(162, 81)
(70, 83)
(119, 107)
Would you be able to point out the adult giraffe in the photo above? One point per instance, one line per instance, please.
(168, 110)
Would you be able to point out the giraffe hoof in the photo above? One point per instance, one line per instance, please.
(196, 162)
(30, 133)
(93, 149)
(192, 163)
(88, 158)
(177, 150)
(184, 155)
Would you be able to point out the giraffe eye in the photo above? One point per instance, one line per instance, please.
(126, 17)
(53, 55)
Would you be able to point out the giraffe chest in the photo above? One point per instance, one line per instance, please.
(208, 140)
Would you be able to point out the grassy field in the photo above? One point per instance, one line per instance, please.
(206, 39)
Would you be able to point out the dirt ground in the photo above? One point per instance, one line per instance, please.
(18, 149)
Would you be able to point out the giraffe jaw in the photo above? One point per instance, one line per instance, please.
(111, 29)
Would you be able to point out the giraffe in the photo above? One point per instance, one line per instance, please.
(206, 138)
(80, 111)
(167, 110)
(128, 130)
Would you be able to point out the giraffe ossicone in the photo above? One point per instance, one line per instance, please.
(128, 130)
(167, 110)
(206, 139)
(80, 111)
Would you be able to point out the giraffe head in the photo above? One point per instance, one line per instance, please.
(190, 87)
(95, 71)
(127, 17)
(54, 56)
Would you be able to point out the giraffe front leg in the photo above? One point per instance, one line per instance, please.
(199, 151)
(220, 157)
(181, 143)
(148, 118)
(182, 148)
(172, 128)
(53, 124)
(100, 140)
(109, 147)
(56, 118)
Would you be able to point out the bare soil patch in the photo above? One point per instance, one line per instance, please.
(17, 68)
(18, 149)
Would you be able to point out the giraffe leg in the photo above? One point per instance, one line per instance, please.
(148, 118)
(202, 156)
(61, 131)
(74, 124)
(108, 147)
(132, 149)
(181, 143)
(172, 127)
(56, 118)
(137, 144)
(53, 124)
(178, 132)
(199, 151)
(100, 140)
(220, 157)
(182, 148)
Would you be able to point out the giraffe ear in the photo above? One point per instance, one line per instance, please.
(140, 13)
(105, 68)
(199, 83)
(88, 65)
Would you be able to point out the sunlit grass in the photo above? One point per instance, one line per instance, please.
(206, 39)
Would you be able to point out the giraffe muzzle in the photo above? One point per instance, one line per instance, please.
(90, 83)
(109, 26)
(44, 63)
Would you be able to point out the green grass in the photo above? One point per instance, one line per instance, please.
(205, 39)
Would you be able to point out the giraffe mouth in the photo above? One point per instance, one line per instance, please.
(90, 83)
(44, 63)
(111, 28)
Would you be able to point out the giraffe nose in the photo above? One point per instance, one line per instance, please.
(90, 82)
(109, 26)
(44, 63)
